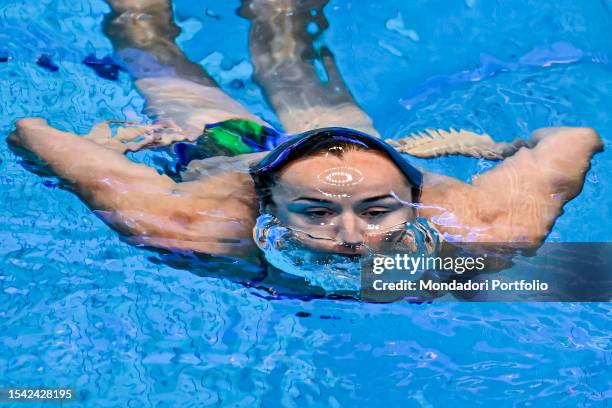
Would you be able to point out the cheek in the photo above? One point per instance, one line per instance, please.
(284, 216)
(279, 202)
(293, 220)
(395, 218)
(303, 223)
(383, 241)
(322, 246)
(401, 216)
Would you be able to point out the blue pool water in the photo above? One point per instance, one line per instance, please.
(80, 308)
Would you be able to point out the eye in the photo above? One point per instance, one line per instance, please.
(376, 212)
(318, 212)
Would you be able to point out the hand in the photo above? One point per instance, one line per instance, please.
(133, 137)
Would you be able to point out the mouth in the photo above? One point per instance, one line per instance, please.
(350, 250)
(328, 246)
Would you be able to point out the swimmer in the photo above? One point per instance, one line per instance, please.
(335, 184)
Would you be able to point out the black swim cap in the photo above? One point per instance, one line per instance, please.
(303, 144)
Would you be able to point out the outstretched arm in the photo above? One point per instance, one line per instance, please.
(137, 201)
(518, 200)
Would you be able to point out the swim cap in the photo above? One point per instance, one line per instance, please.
(301, 145)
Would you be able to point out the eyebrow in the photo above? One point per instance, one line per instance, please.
(366, 201)
(379, 198)
(318, 200)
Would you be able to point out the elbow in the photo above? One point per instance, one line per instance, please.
(537, 236)
(29, 123)
(25, 126)
(592, 135)
(587, 137)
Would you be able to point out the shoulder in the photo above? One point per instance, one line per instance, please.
(498, 212)
(456, 208)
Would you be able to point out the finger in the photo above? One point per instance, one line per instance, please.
(14, 138)
(169, 123)
(128, 134)
(143, 144)
(123, 122)
(172, 137)
(100, 131)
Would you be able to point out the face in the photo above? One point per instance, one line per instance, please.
(342, 204)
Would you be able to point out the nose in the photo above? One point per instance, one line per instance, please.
(349, 230)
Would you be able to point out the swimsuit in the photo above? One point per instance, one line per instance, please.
(231, 137)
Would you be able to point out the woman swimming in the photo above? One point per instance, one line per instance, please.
(337, 190)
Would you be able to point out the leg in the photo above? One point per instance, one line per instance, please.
(283, 54)
(177, 90)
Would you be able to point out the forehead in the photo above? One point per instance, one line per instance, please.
(356, 173)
